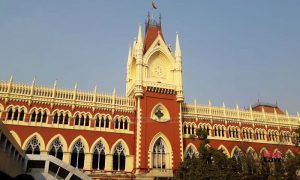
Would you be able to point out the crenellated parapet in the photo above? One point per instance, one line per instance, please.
(65, 97)
(196, 111)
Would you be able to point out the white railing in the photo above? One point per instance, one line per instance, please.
(195, 110)
(65, 96)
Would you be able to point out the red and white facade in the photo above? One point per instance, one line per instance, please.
(148, 132)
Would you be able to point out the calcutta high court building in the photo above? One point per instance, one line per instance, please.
(145, 134)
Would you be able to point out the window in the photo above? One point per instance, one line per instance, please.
(15, 114)
(190, 153)
(77, 155)
(39, 116)
(119, 158)
(56, 149)
(33, 146)
(159, 154)
(99, 157)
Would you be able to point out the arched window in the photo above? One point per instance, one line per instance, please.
(55, 118)
(97, 121)
(102, 122)
(119, 158)
(56, 149)
(107, 122)
(99, 157)
(121, 123)
(190, 153)
(81, 120)
(16, 113)
(39, 117)
(9, 114)
(61, 118)
(117, 124)
(77, 120)
(77, 156)
(21, 115)
(33, 116)
(87, 120)
(159, 154)
(184, 129)
(44, 117)
(33, 146)
(126, 124)
(66, 121)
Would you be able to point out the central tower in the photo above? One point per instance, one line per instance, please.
(152, 64)
(154, 78)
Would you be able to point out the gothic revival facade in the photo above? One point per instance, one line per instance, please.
(148, 132)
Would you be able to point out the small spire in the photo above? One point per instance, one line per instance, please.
(250, 108)
(114, 91)
(286, 112)
(55, 82)
(177, 48)
(11, 78)
(129, 55)
(298, 114)
(33, 81)
(223, 104)
(209, 102)
(75, 86)
(95, 89)
(140, 37)
(237, 106)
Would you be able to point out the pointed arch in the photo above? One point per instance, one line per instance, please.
(225, 150)
(169, 150)
(290, 152)
(16, 137)
(160, 110)
(234, 149)
(83, 140)
(62, 140)
(124, 144)
(39, 137)
(104, 142)
(193, 147)
(251, 150)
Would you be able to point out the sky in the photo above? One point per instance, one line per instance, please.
(236, 51)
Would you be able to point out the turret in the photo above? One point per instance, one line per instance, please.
(139, 63)
(178, 64)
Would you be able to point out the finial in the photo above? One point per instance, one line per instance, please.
(129, 55)
(298, 114)
(177, 48)
(11, 78)
(95, 89)
(114, 91)
(209, 102)
(55, 82)
(140, 37)
(250, 107)
(223, 104)
(75, 86)
(33, 81)
(195, 102)
(237, 106)
(286, 112)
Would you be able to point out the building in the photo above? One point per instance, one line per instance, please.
(148, 132)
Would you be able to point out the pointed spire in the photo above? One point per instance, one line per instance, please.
(11, 78)
(55, 83)
(33, 81)
(177, 48)
(95, 89)
(237, 106)
(129, 55)
(209, 102)
(223, 104)
(75, 88)
(140, 37)
(114, 92)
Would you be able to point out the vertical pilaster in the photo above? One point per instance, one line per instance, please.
(88, 161)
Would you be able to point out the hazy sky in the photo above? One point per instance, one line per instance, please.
(236, 51)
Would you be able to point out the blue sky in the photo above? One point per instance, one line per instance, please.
(235, 51)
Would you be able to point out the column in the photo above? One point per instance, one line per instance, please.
(88, 161)
(67, 157)
(108, 162)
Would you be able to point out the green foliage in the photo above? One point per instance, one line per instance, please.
(202, 135)
(297, 136)
(214, 164)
